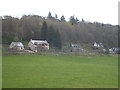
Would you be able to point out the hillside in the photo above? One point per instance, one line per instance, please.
(81, 32)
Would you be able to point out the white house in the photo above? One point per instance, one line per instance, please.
(75, 47)
(113, 50)
(98, 45)
(17, 45)
(38, 45)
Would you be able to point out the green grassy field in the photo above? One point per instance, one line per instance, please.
(32, 71)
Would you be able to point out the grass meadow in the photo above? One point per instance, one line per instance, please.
(35, 71)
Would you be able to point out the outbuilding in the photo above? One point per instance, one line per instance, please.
(17, 46)
(75, 47)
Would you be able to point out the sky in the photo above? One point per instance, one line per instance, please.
(103, 11)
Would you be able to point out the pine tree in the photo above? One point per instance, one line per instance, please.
(49, 15)
(77, 20)
(58, 42)
(56, 16)
(54, 38)
(83, 20)
(62, 18)
(44, 30)
(73, 20)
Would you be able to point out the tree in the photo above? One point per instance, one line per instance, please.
(77, 20)
(83, 20)
(32, 27)
(44, 31)
(50, 16)
(56, 16)
(62, 18)
(9, 28)
(54, 38)
(58, 42)
(73, 20)
(29, 27)
(16, 39)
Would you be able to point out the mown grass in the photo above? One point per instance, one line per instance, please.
(33, 71)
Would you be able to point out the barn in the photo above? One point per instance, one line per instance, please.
(17, 46)
(38, 45)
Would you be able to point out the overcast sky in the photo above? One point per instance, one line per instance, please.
(104, 11)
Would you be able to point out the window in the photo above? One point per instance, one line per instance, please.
(35, 43)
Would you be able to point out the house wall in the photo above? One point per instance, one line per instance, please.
(32, 46)
(11, 45)
(16, 47)
(37, 48)
(74, 49)
(42, 48)
(20, 48)
(47, 47)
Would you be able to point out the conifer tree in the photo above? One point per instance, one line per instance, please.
(43, 34)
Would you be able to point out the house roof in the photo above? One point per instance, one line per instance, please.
(98, 44)
(16, 44)
(75, 45)
(114, 49)
(38, 41)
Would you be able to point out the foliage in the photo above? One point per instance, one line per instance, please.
(54, 37)
(31, 26)
(44, 31)
(50, 16)
(73, 20)
(62, 18)
(56, 16)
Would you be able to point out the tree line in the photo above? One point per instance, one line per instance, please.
(58, 32)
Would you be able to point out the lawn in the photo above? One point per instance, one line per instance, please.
(33, 71)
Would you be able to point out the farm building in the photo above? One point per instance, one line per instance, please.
(17, 46)
(75, 48)
(38, 45)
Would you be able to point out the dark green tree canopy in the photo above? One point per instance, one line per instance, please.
(38, 27)
(62, 18)
(44, 31)
(50, 16)
(54, 38)
(73, 20)
(56, 16)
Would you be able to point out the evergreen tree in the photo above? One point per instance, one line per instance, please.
(73, 20)
(54, 38)
(83, 20)
(49, 15)
(77, 20)
(56, 16)
(51, 36)
(44, 30)
(58, 42)
(62, 18)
